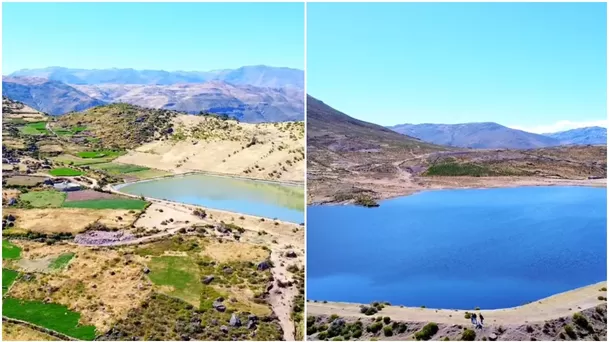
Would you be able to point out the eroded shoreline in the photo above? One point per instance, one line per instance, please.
(388, 190)
(555, 306)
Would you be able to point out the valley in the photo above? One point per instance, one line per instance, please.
(350, 159)
(84, 260)
(251, 94)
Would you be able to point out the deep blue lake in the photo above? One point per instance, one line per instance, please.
(459, 249)
(245, 196)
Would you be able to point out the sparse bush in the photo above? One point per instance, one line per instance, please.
(374, 327)
(569, 330)
(388, 330)
(386, 319)
(427, 332)
(468, 335)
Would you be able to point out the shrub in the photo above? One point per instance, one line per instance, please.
(427, 332)
(333, 317)
(311, 329)
(402, 327)
(530, 329)
(468, 335)
(601, 298)
(357, 333)
(322, 335)
(569, 330)
(386, 319)
(374, 327)
(371, 311)
(388, 330)
(468, 315)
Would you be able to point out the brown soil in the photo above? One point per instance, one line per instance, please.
(70, 220)
(18, 332)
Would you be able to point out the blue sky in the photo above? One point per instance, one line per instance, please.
(534, 66)
(168, 36)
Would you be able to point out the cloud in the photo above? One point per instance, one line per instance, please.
(560, 126)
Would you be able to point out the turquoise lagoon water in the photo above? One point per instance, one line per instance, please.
(459, 249)
(245, 196)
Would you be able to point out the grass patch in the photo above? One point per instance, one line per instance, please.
(25, 181)
(119, 169)
(34, 128)
(44, 199)
(8, 277)
(61, 261)
(99, 154)
(456, 169)
(65, 171)
(10, 251)
(108, 203)
(181, 273)
(70, 131)
(51, 316)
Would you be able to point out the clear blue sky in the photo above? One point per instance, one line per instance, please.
(167, 36)
(523, 65)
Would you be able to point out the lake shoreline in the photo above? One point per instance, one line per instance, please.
(214, 174)
(555, 306)
(457, 183)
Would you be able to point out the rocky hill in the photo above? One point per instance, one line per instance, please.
(52, 97)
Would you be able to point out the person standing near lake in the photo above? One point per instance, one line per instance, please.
(474, 320)
(481, 320)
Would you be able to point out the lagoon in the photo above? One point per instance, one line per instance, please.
(252, 197)
(459, 249)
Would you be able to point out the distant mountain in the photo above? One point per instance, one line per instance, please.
(476, 135)
(581, 136)
(47, 96)
(258, 75)
(244, 102)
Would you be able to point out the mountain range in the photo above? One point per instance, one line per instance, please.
(493, 135)
(250, 94)
(256, 75)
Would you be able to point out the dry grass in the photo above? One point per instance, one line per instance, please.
(234, 251)
(17, 332)
(213, 145)
(7, 194)
(101, 284)
(72, 220)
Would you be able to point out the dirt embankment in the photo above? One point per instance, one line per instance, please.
(261, 151)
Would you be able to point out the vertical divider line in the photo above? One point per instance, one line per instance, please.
(306, 269)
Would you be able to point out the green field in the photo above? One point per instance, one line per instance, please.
(77, 161)
(61, 261)
(100, 154)
(119, 169)
(44, 199)
(70, 131)
(147, 174)
(107, 203)
(454, 169)
(51, 316)
(181, 273)
(10, 251)
(34, 128)
(65, 171)
(8, 277)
